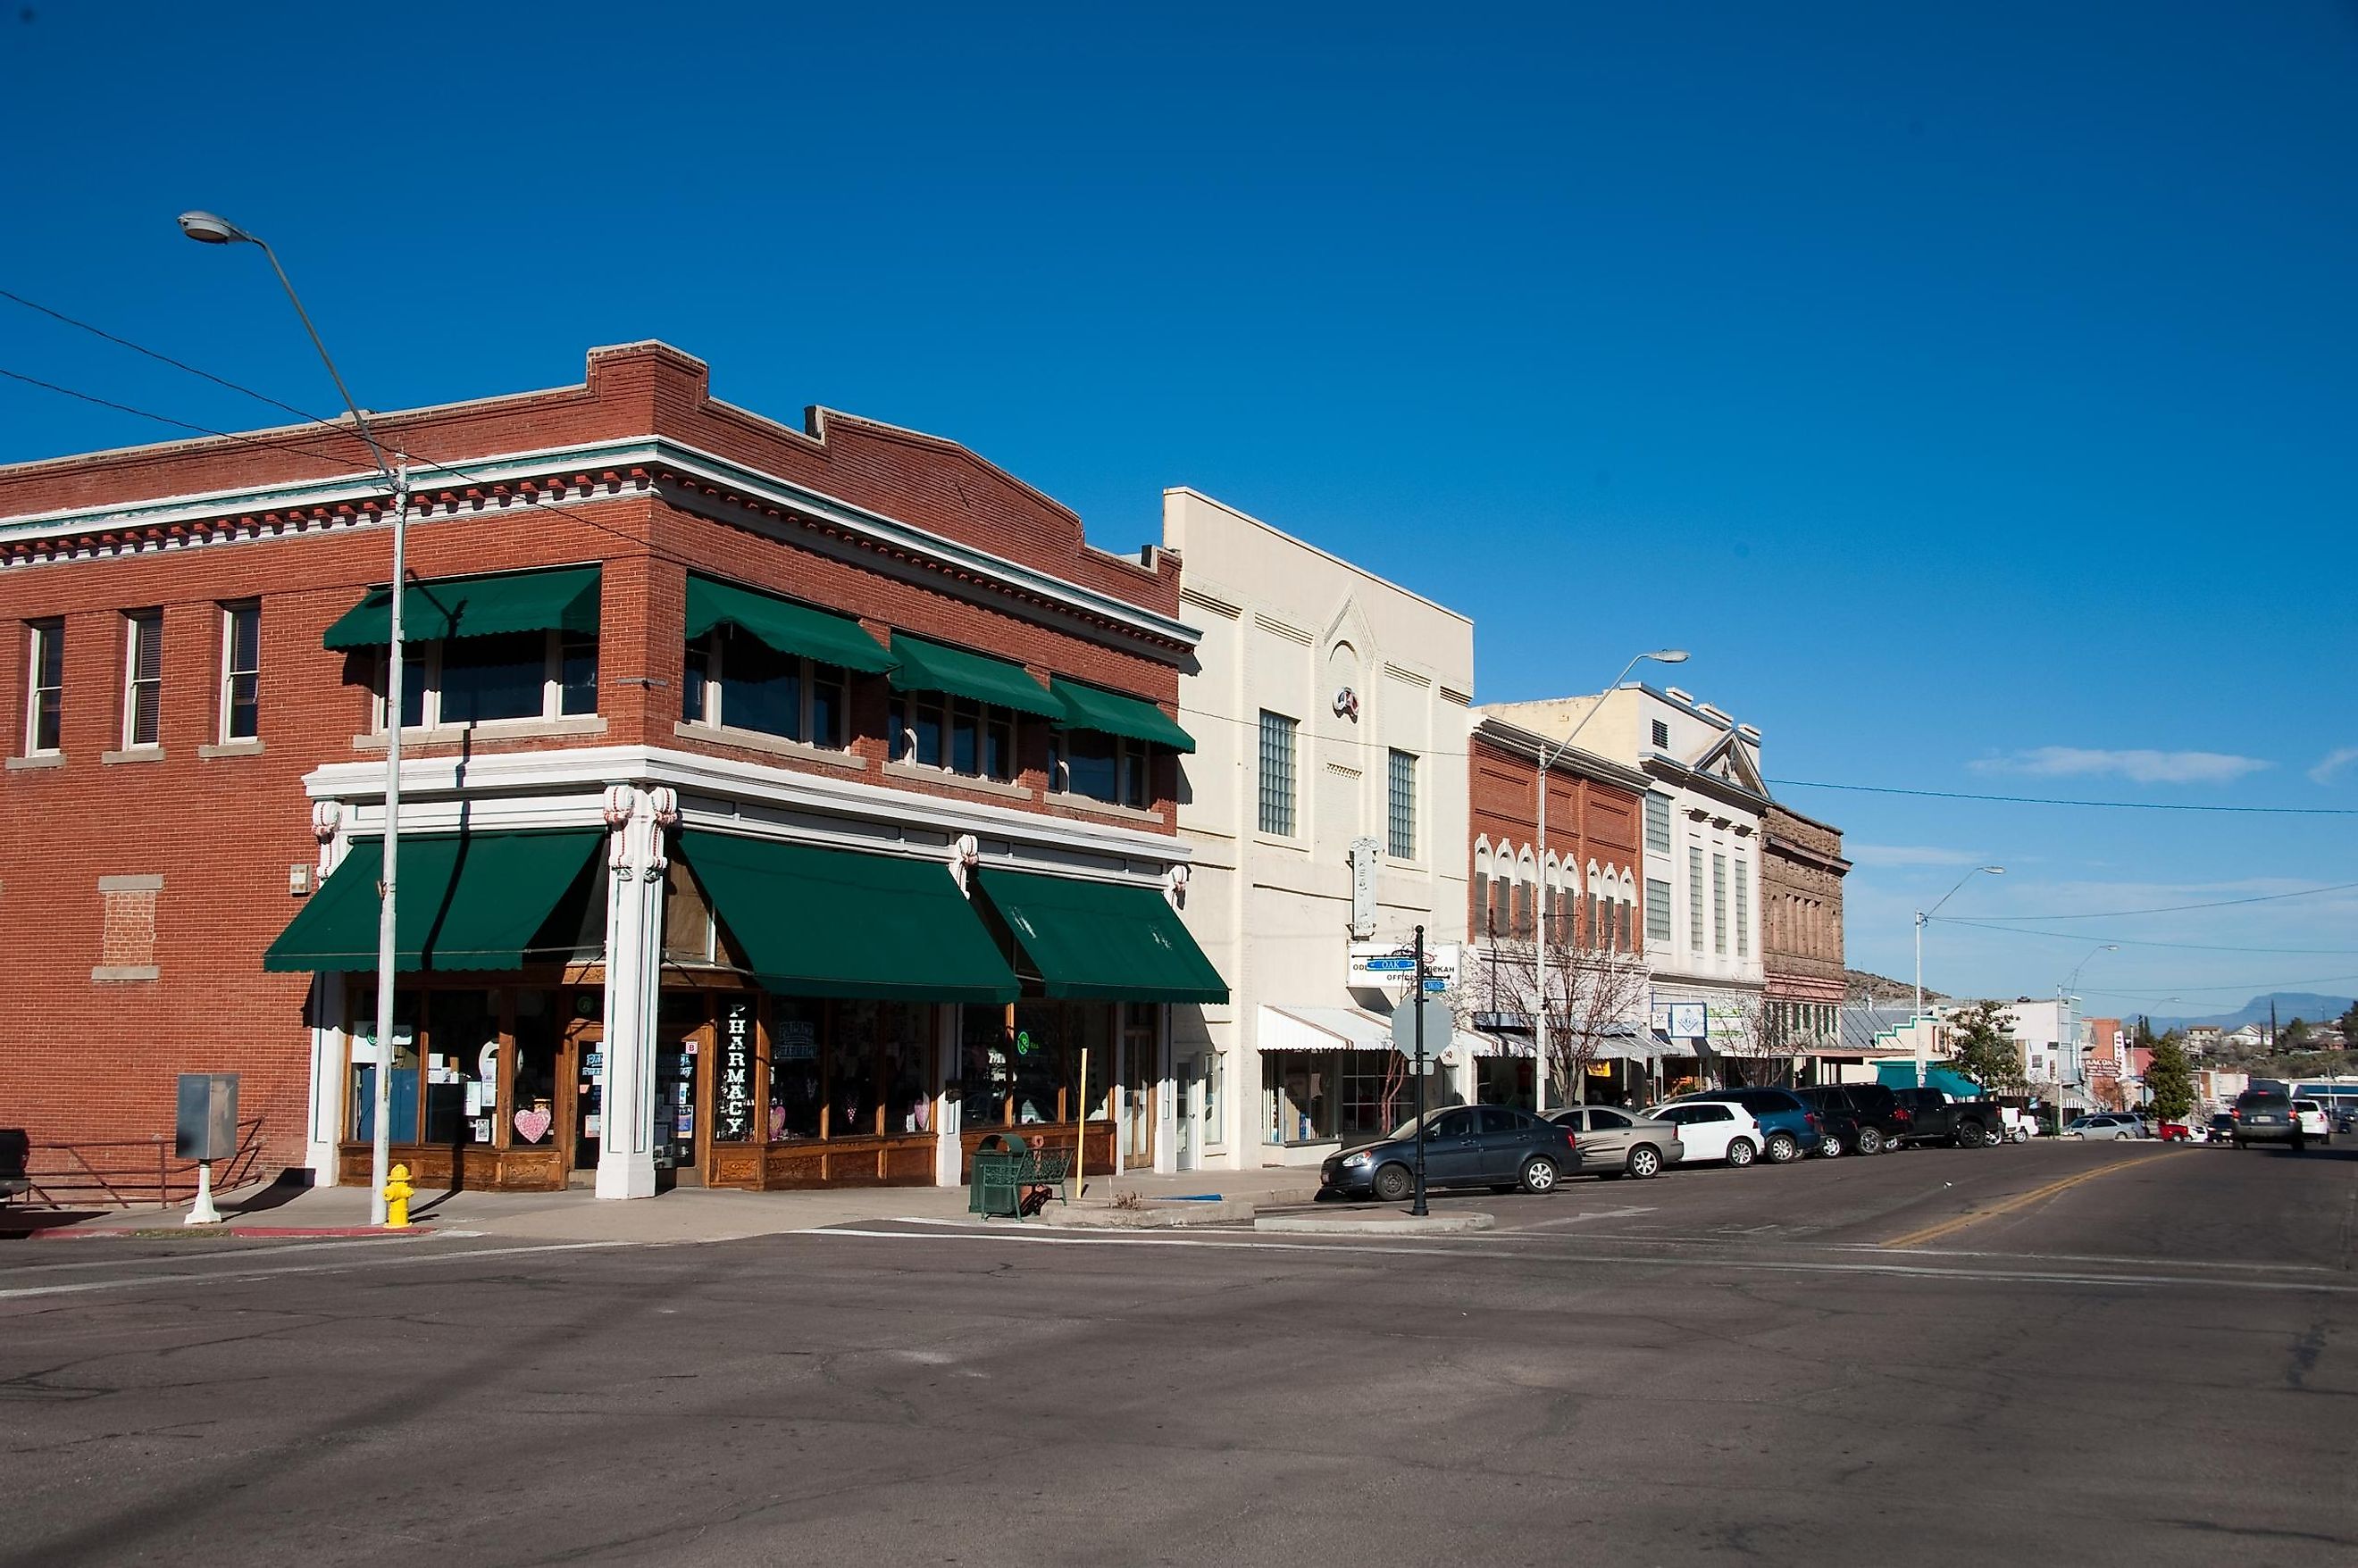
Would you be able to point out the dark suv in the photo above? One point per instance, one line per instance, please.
(1788, 1129)
(2266, 1116)
(1865, 1116)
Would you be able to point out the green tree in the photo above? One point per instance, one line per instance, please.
(2350, 1023)
(2170, 1079)
(1984, 1048)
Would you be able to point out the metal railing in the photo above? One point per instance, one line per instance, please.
(126, 1172)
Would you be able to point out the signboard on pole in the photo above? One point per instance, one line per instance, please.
(1375, 965)
(1440, 1023)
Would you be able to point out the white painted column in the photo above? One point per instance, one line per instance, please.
(636, 820)
(325, 1126)
(950, 1024)
(1170, 1094)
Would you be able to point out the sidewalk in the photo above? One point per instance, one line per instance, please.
(697, 1215)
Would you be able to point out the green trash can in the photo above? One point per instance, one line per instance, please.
(995, 1189)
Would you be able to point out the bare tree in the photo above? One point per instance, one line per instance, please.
(1756, 1048)
(1595, 994)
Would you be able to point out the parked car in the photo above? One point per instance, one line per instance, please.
(2019, 1125)
(1712, 1130)
(2314, 1122)
(2266, 1116)
(2187, 1131)
(2223, 1127)
(1934, 1117)
(1788, 1129)
(2103, 1124)
(2345, 1121)
(1860, 1117)
(1616, 1143)
(1465, 1146)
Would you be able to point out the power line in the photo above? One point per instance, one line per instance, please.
(2247, 987)
(2138, 941)
(2051, 800)
(2180, 908)
(164, 358)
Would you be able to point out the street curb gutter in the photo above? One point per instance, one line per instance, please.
(1370, 1224)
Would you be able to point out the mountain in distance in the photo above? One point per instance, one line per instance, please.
(2289, 1005)
(1866, 983)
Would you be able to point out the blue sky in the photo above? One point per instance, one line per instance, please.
(1970, 386)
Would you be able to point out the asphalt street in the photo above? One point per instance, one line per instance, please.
(2107, 1354)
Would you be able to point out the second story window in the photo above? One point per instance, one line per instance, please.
(143, 679)
(507, 676)
(1657, 912)
(954, 734)
(1719, 904)
(1400, 808)
(1658, 825)
(736, 681)
(241, 693)
(1104, 767)
(1695, 899)
(1277, 773)
(45, 687)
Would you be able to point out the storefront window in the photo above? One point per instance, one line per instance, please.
(462, 1067)
(851, 1070)
(796, 1090)
(1028, 1075)
(1375, 1094)
(732, 1085)
(402, 1122)
(532, 1115)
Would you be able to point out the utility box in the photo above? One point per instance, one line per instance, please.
(206, 1128)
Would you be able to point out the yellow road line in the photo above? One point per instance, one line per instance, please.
(2019, 1201)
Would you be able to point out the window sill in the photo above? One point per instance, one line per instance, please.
(487, 730)
(132, 754)
(920, 773)
(1279, 841)
(1096, 807)
(776, 745)
(37, 761)
(229, 749)
(124, 974)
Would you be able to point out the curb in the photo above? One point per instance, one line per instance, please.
(1156, 1215)
(1404, 1225)
(255, 1232)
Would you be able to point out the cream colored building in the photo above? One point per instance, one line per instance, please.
(1330, 712)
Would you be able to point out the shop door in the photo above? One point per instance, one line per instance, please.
(1141, 1078)
(680, 1133)
(585, 1076)
(1190, 1090)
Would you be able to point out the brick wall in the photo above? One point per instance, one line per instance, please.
(1801, 876)
(140, 894)
(1587, 820)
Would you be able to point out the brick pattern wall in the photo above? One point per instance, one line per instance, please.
(90, 1041)
(1587, 820)
(1802, 908)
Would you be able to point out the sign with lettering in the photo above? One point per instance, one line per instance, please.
(732, 1089)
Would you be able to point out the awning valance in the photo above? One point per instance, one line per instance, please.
(1101, 940)
(783, 626)
(837, 923)
(468, 900)
(565, 599)
(932, 667)
(1293, 1027)
(1112, 713)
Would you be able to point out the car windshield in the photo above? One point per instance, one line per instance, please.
(1408, 1128)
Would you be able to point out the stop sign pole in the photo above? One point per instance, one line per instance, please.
(1417, 1001)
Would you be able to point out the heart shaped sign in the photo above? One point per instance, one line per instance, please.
(531, 1126)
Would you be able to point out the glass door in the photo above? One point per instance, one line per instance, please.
(680, 1133)
(1142, 1078)
(585, 1079)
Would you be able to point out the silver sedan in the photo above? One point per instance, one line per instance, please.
(1615, 1144)
(2109, 1125)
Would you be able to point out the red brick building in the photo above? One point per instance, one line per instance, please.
(781, 806)
(1586, 882)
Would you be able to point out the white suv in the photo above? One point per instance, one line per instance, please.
(2313, 1121)
(1712, 1130)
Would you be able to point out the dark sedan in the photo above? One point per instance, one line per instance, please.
(1465, 1146)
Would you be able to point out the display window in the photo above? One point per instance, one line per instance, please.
(469, 1067)
(1021, 1067)
(849, 1069)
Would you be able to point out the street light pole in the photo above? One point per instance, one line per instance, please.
(1916, 1023)
(208, 229)
(1548, 759)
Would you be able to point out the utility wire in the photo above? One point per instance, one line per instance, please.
(2138, 941)
(164, 358)
(2180, 908)
(2049, 800)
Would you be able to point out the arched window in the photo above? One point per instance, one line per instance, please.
(1481, 886)
(1526, 898)
(1629, 911)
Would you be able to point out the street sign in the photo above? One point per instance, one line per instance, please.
(1440, 1022)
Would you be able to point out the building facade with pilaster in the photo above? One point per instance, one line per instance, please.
(780, 806)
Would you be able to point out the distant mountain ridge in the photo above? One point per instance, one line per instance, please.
(2289, 1005)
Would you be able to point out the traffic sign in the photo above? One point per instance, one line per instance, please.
(1440, 1022)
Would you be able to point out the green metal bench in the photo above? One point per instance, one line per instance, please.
(1004, 1177)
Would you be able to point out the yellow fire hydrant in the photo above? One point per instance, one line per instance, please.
(397, 1193)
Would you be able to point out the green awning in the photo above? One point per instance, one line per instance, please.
(1112, 713)
(783, 626)
(471, 901)
(1902, 1075)
(562, 601)
(836, 923)
(1101, 941)
(931, 667)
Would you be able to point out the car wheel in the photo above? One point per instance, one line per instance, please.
(1645, 1162)
(1393, 1182)
(1830, 1147)
(1783, 1147)
(1992, 1137)
(1739, 1152)
(1969, 1136)
(1538, 1174)
(1870, 1141)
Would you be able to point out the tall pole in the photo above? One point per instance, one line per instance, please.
(1416, 1001)
(387, 955)
(209, 229)
(1916, 1024)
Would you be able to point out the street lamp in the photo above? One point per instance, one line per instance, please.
(1916, 1024)
(2066, 1034)
(206, 227)
(1548, 759)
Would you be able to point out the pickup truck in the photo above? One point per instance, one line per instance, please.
(1934, 1117)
